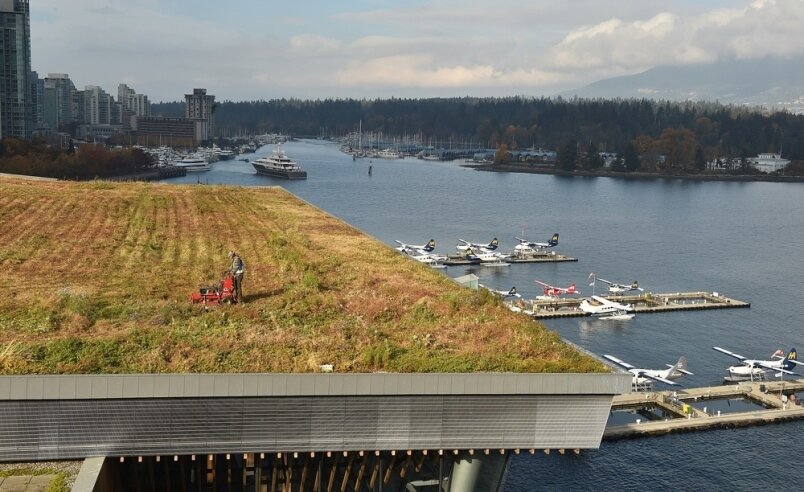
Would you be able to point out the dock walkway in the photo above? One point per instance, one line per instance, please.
(645, 303)
(460, 260)
(688, 417)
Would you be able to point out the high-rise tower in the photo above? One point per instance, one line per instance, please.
(200, 106)
(16, 110)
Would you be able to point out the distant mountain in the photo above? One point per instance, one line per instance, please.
(770, 82)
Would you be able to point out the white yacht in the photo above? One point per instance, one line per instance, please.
(194, 163)
(279, 165)
(226, 155)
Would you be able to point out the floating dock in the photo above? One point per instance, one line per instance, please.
(686, 416)
(544, 308)
(460, 260)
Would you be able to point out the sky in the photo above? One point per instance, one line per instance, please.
(264, 49)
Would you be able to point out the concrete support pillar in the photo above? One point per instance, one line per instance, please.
(477, 473)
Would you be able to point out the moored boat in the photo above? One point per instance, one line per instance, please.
(193, 164)
(279, 165)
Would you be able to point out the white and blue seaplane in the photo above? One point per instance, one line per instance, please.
(751, 369)
(606, 309)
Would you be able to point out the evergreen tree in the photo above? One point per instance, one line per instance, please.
(568, 156)
(593, 159)
(700, 159)
(630, 158)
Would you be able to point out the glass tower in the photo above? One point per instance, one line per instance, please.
(16, 109)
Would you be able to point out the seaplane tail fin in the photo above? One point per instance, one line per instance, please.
(430, 246)
(553, 240)
(790, 360)
(681, 366)
(493, 244)
(512, 292)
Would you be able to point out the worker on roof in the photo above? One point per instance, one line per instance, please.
(237, 269)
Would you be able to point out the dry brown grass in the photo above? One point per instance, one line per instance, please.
(98, 277)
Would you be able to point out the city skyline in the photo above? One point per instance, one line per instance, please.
(261, 50)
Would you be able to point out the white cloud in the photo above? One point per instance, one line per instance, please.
(457, 46)
(760, 29)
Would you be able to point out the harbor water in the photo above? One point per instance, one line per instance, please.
(743, 240)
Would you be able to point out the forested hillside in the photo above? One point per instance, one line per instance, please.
(518, 122)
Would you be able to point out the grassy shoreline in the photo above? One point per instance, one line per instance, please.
(101, 274)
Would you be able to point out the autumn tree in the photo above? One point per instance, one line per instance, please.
(502, 155)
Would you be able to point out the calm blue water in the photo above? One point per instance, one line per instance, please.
(741, 239)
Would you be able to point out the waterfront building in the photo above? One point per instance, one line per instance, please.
(96, 106)
(16, 110)
(136, 104)
(201, 106)
(60, 101)
(37, 101)
(153, 131)
(769, 162)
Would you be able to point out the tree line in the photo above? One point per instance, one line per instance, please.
(681, 133)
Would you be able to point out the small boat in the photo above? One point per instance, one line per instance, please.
(194, 164)
(279, 165)
(389, 154)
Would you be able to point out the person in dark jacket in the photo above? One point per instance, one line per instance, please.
(237, 269)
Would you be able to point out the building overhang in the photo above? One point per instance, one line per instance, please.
(69, 417)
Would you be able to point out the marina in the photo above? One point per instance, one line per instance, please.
(685, 410)
(544, 308)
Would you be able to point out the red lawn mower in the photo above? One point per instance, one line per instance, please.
(222, 292)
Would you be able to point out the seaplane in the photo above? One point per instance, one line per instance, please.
(606, 309)
(423, 253)
(483, 248)
(486, 258)
(553, 291)
(435, 261)
(752, 368)
(417, 248)
(643, 378)
(526, 246)
(616, 288)
(503, 293)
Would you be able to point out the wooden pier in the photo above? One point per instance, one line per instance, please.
(688, 417)
(460, 260)
(543, 308)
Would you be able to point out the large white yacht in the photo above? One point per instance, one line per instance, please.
(194, 163)
(279, 165)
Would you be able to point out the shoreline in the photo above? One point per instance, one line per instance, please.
(636, 175)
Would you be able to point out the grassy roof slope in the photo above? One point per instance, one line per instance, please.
(97, 278)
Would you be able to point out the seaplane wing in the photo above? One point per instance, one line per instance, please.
(615, 287)
(616, 305)
(619, 362)
(730, 354)
(649, 375)
(531, 244)
(488, 248)
(772, 367)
